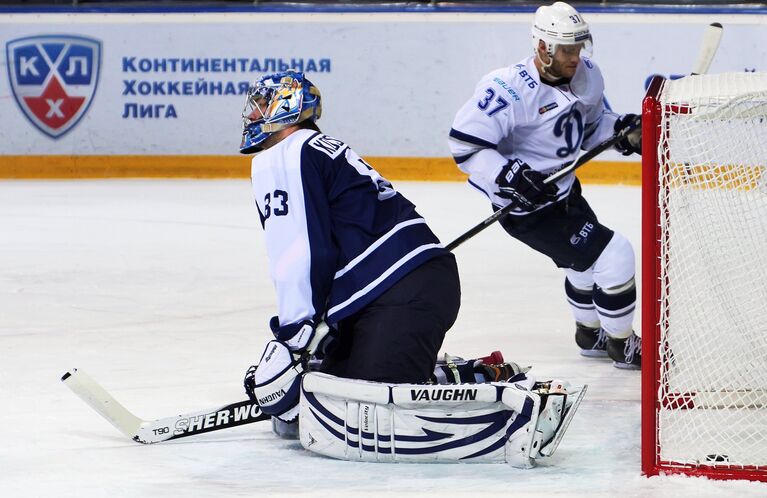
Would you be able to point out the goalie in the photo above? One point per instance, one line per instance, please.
(345, 248)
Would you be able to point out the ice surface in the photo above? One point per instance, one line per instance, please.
(159, 290)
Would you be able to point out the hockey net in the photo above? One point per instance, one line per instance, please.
(704, 283)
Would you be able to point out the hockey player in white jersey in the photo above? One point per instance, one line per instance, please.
(347, 250)
(524, 123)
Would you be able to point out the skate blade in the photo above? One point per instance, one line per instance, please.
(550, 448)
(594, 353)
(626, 366)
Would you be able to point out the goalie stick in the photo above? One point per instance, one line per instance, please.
(164, 429)
(175, 427)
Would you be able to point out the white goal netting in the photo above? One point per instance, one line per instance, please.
(713, 257)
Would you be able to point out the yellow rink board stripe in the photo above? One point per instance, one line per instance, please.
(392, 168)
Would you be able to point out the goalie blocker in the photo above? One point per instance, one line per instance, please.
(497, 422)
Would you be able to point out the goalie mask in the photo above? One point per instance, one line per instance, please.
(560, 24)
(275, 102)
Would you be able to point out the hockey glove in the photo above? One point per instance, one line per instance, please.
(632, 144)
(304, 337)
(274, 382)
(524, 186)
(297, 336)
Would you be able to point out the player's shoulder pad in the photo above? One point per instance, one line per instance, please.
(588, 82)
(332, 147)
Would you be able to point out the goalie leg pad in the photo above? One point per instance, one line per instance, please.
(377, 422)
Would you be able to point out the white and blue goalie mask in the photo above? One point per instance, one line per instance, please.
(275, 102)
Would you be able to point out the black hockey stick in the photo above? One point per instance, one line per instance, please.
(583, 159)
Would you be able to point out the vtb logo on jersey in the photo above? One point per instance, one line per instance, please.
(54, 79)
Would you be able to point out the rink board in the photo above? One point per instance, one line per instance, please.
(163, 92)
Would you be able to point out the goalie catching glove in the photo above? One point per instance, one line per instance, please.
(524, 186)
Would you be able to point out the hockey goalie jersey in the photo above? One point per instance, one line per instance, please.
(337, 234)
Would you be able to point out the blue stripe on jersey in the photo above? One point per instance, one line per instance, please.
(261, 216)
(375, 245)
(380, 268)
(363, 235)
(465, 137)
(463, 158)
(374, 289)
(476, 186)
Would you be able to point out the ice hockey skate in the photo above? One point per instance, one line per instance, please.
(592, 341)
(626, 353)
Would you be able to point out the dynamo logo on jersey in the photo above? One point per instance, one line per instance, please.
(53, 79)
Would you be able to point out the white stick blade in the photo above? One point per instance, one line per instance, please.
(708, 47)
(97, 398)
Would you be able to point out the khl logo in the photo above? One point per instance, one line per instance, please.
(54, 79)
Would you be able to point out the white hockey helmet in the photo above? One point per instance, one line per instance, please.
(560, 24)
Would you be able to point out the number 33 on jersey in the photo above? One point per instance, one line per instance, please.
(336, 231)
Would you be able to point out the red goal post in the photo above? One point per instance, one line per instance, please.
(704, 276)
